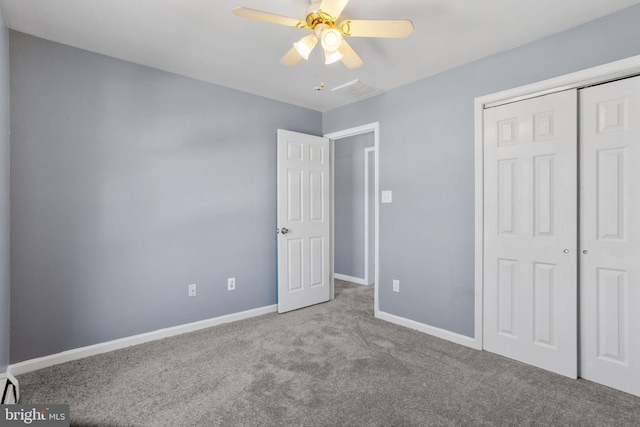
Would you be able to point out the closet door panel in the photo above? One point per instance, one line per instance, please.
(610, 234)
(530, 214)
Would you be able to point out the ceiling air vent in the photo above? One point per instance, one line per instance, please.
(356, 89)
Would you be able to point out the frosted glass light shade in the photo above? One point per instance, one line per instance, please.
(305, 45)
(331, 57)
(331, 39)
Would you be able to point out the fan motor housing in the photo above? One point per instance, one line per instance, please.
(319, 17)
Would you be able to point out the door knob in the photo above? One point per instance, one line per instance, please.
(284, 230)
(585, 252)
(566, 251)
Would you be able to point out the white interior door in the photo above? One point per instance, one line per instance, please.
(610, 234)
(304, 230)
(530, 232)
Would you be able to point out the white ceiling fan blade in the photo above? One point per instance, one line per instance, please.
(349, 56)
(388, 28)
(260, 15)
(333, 7)
(291, 58)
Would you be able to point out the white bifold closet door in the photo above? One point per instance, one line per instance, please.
(610, 234)
(532, 205)
(530, 232)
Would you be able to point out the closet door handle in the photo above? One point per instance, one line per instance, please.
(566, 251)
(585, 252)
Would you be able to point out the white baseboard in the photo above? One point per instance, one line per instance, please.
(91, 350)
(9, 389)
(352, 279)
(431, 330)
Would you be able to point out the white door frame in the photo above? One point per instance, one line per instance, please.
(375, 128)
(367, 238)
(601, 74)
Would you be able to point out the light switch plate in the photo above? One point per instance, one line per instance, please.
(387, 196)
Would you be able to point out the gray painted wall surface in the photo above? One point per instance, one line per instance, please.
(128, 184)
(427, 159)
(349, 209)
(5, 277)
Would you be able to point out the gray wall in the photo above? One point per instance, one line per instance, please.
(427, 159)
(4, 195)
(128, 184)
(349, 185)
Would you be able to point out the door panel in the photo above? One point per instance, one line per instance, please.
(610, 234)
(530, 214)
(303, 211)
(507, 297)
(544, 304)
(544, 197)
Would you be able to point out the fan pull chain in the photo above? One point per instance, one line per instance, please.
(322, 68)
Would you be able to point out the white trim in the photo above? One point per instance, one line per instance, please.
(367, 238)
(596, 75)
(591, 76)
(370, 127)
(375, 128)
(332, 149)
(479, 222)
(356, 280)
(91, 350)
(431, 330)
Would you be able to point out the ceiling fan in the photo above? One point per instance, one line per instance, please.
(323, 18)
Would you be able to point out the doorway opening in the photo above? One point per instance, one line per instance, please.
(355, 224)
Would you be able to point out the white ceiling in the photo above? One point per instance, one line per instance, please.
(204, 40)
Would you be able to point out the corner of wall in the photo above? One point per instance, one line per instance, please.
(4, 194)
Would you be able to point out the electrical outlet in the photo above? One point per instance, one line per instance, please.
(192, 290)
(396, 286)
(231, 284)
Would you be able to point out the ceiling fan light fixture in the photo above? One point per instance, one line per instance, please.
(305, 45)
(331, 39)
(323, 18)
(314, 7)
(331, 57)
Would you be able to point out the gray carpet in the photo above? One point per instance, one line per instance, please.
(328, 365)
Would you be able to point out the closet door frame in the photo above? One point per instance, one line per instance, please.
(601, 74)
